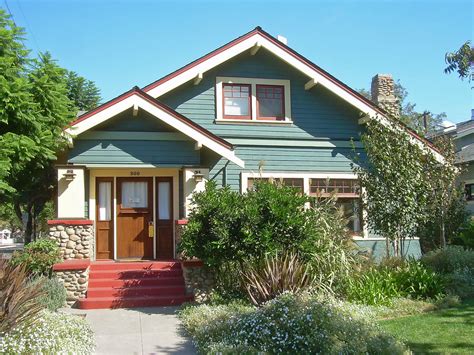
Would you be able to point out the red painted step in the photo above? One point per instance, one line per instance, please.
(149, 281)
(131, 302)
(134, 284)
(178, 290)
(122, 266)
(133, 274)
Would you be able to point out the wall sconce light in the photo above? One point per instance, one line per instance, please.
(198, 176)
(69, 175)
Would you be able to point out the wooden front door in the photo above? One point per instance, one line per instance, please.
(164, 218)
(134, 213)
(105, 218)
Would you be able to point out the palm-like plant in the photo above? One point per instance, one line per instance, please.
(19, 299)
(276, 274)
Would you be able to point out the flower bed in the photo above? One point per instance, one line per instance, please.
(287, 324)
(52, 333)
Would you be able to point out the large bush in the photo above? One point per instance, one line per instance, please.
(38, 256)
(457, 265)
(449, 259)
(288, 324)
(228, 228)
(53, 333)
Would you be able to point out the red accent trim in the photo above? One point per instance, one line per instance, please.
(275, 118)
(74, 264)
(156, 103)
(181, 222)
(249, 102)
(71, 222)
(192, 263)
(295, 55)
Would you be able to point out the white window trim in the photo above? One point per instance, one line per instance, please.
(253, 82)
(306, 187)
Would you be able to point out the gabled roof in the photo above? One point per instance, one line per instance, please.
(136, 98)
(257, 38)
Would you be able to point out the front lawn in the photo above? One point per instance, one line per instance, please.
(446, 331)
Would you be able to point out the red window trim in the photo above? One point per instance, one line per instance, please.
(237, 117)
(274, 118)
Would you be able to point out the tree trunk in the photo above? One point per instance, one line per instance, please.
(387, 247)
(443, 233)
(29, 228)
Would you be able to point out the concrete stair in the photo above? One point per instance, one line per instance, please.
(134, 284)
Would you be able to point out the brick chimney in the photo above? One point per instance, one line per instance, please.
(383, 94)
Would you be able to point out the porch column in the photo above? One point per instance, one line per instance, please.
(194, 180)
(71, 192)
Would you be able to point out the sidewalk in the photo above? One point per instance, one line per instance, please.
(154, 330)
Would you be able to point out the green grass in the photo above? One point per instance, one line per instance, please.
(450, 331)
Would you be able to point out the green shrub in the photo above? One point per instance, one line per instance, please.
(54, 296)
(38, 256)
(449, 259)
(379, 285)
(372, 287)
(416, 281)
(461, 282)
(53, 333)
(289, 324)
(466, 235)
(228, 228)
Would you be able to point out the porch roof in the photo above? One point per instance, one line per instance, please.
(138, 99)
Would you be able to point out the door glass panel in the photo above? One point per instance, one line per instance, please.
(134, 194)
(105, 191)
(164, 193)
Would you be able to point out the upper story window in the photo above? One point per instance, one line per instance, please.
(237, 101)
(270, 102)
(253, 100)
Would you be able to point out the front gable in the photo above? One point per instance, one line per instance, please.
(316, 113)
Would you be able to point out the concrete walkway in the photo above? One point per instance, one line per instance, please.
(154, 330)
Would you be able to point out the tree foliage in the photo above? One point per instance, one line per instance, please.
(34, 109)
(82, 92)
(461, 61)
(404, 187)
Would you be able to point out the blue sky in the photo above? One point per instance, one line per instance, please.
(119, 44)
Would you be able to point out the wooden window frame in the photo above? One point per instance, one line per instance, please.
(98, 180)
(249, 100)
(270, 118)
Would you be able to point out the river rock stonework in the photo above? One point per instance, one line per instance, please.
(74, 240)
(199, 280)
(75, 282)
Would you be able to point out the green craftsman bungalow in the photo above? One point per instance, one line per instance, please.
(251, 109)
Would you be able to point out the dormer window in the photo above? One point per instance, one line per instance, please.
(252, 100)
(237, 101)
(270, 102)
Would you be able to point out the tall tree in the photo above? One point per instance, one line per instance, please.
(34, 108)
(394, 193)
(461, 61)
(84, 93)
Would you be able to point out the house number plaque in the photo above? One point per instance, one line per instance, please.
(134, 173)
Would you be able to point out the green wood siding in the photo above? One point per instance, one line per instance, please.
(317, 113)
(160, 153)
(126, 122)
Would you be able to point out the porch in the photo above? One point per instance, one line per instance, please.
(126, 213)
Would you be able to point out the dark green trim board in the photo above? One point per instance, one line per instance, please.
(87, 192)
